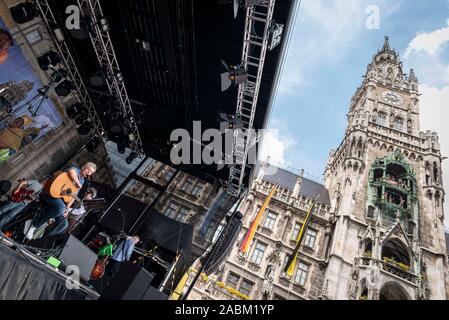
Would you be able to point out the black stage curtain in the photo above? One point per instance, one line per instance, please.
(21, 279)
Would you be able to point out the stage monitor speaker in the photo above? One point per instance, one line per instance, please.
(73, 252)
(131, 283)
(154, 294)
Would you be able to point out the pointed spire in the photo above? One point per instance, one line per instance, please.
(412, 76)
(386, 46)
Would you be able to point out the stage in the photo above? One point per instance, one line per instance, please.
(26, 276)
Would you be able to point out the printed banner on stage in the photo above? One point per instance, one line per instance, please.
(20, 121)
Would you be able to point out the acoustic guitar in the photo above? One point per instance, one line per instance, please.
(62, 187)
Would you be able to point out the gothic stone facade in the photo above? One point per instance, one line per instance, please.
(259, 273)
(387, 194)
(382, 236)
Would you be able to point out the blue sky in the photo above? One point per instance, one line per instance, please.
(329, 51)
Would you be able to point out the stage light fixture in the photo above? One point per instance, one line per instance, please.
(85, 128)
(47, 60)
(97, 79)
(64, 88)
(119, 77)
(82, 33)
(80, 119)
(58, 75)
(234, 75)
(93, 144)
(72, 112)
(23, 12)
(104, 26)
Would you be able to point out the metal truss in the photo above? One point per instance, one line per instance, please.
(82, 96)
(104, 50)
(258, 17)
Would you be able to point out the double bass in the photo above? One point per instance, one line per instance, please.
(100, 266)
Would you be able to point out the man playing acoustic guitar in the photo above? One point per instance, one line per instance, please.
(58, 197)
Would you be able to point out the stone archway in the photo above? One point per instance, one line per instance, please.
(393, 291)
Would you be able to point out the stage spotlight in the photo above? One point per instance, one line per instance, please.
(234, 75)
(23, 12)
(72, 112)
(119, 77)
(131, 157)
(116, 131)
(104, 25)
(80, 119)
(64, 88)
(58, 75)
(85, 128)
(93, 144)
(82, 33)
(235, 5)
(48, 60)
(97, 79)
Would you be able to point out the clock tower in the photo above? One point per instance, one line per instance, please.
(387, 194)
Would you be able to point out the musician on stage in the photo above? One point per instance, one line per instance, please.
(56, 207)
(26, 192)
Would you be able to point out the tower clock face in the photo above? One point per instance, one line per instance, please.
(392, 98)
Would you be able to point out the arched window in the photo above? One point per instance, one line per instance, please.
(382, 118)
(396, 253)
(436, 173)
(398, 124)
(393, 291)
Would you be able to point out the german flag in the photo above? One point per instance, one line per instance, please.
(252, 230)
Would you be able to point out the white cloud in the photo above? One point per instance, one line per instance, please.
(434, 114)
(429, 42)
(426, 54)
(275, 146)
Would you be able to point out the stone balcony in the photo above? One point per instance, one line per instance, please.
(388, 268)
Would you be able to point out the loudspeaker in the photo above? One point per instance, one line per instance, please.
(154, 294)
(131, 283)
(224, 244)
(73, 253)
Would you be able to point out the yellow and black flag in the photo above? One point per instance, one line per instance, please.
(290, 266)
